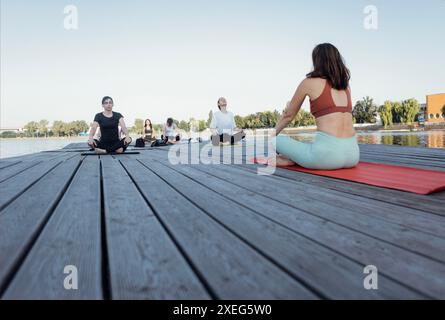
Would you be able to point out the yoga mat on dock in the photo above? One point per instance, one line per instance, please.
(420, 181)
(92, 153)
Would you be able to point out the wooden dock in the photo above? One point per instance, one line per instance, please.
(140, 227)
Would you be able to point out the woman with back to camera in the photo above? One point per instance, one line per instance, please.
(335, 145)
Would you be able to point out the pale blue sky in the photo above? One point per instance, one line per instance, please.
(175, 58)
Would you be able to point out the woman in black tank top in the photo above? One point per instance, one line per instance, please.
(148, 131)
(109, 122)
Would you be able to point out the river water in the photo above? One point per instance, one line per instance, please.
(429, 139)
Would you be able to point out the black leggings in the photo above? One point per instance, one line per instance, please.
(177, 138)
(216, 139)
(111, 146)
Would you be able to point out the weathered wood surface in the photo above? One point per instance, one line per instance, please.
(141, 227)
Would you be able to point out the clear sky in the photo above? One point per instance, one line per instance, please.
(175, 57)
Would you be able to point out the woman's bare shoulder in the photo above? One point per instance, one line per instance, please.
(313, 86)
(313, 82)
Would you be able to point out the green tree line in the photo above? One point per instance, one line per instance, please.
(364, 111)
(40, 129)
(405, 112)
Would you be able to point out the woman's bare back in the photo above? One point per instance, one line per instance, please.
(338, 124)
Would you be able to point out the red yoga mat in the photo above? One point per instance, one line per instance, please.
(409, 179)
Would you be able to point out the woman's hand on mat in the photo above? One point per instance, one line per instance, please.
(91, 142)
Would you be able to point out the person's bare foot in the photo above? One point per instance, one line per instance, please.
(120, 150)
(100, 151)
(279, 161)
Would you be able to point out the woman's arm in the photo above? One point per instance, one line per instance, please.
(235, 128)
(293, 107)
(124, 129)
(92, 132)
(234, 123)
(213, 125)
(176, 131)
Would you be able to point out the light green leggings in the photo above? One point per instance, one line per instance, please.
(326, 152)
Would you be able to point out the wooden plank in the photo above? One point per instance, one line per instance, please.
(6, 164)
(388, 156)
(322, 271)
(426, 203)
(332, 199)
(422, 164)
(13, 187)
(9, 172)
(25, 217)
(143, 262)
(394, 232)
(72, 236)
(232, 269)
(76, 145)
(26, 157)
(430, 203)
(403, 149)
(247, 151)
(404, 161)
(424, 155)
(398, 197)
(23, 157)
(66, 151)
(418, 156)
(407, 267)
(438, 196)
(32, 157)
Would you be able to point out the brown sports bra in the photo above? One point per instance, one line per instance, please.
(324, 104)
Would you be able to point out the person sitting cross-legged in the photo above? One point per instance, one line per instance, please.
(109, 122)
(223, 125)
(169, 134)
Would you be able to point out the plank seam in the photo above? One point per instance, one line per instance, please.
(246, 242)
(175, 242)
(106, 285)
(28, 247)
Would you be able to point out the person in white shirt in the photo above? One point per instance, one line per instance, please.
(169, 132)
(223, 125)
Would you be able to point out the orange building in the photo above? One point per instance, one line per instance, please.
(434, 105)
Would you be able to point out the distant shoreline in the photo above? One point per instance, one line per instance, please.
(46, 138)
(310, 129)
